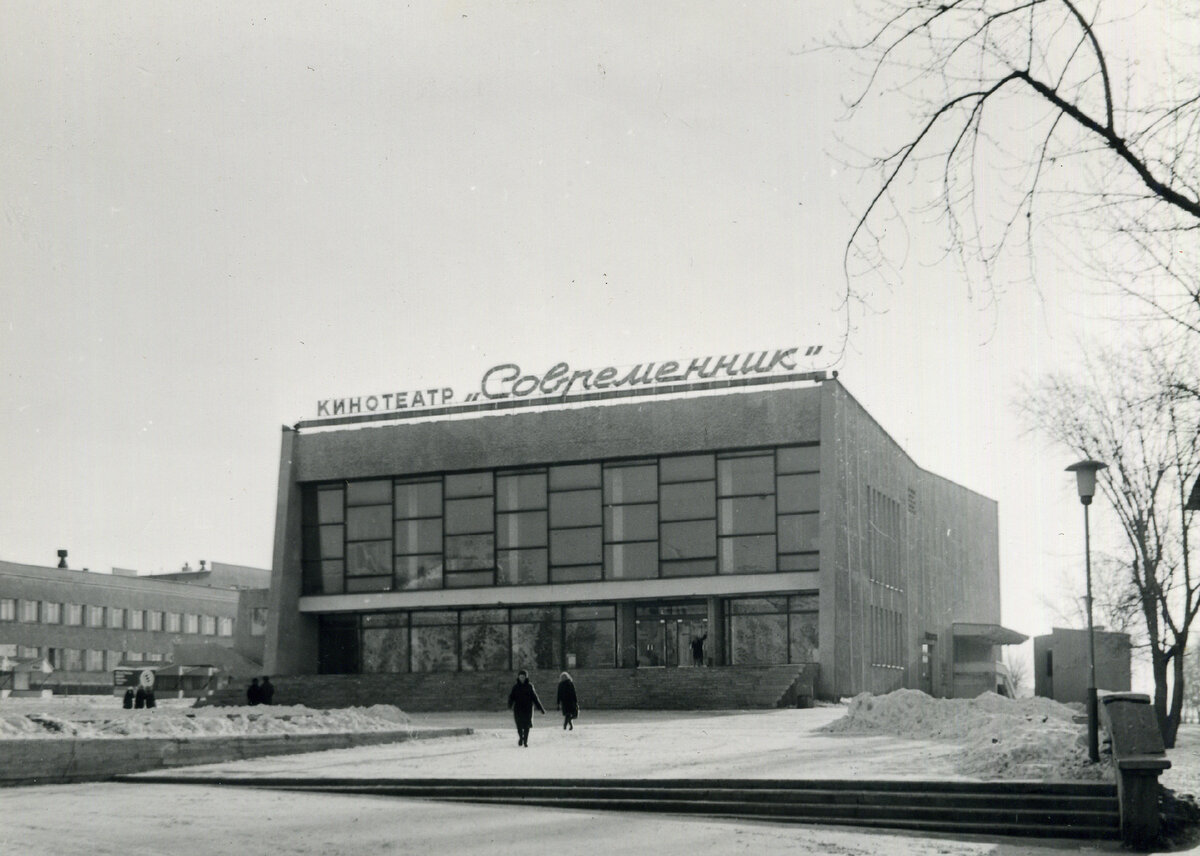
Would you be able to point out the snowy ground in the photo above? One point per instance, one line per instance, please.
(101, 716)
(133, 819)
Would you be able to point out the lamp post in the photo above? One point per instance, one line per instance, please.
(1085, 480)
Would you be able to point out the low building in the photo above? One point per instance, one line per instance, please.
(1060, 664)
(767, 520)
(85, 625)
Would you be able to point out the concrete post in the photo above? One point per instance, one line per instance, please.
(716, 649)
(627, 635)
(291, 643)
(1139, 757)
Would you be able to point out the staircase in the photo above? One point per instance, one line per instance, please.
(718, 688)
(1039, 809)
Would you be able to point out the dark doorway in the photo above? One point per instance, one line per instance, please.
(665, 632)
(337, 649)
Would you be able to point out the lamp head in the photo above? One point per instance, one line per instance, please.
(1085, 478)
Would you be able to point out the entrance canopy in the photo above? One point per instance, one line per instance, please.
(993, 634)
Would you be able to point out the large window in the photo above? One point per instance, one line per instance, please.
(51, 612)
(470, 530)
(116, 617)
(746, 513)
(8, 609)
(191, 623)
(773, 630)
(74, 614)
(385, 642)
(483, 640)
(576, 523)
(549, 637)
(732, 512)
(434, 641)
(418, 534)
(258, 621)
(799, 485)
(95, 616)
(536, 638)
(137, 619)
(324, 535)
(29, 611)
(521, 528)
(590, 634)
(154, 619)
(368, 556)
(631, 521)
(687, 504)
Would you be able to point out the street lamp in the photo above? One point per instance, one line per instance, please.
(1085, 479)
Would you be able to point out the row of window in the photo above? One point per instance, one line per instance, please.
(761, 631)
(81, 660)
(113, 617)
(676, 516)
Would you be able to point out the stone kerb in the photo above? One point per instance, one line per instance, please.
(54, 760)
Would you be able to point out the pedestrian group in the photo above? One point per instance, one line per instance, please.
(523, 698)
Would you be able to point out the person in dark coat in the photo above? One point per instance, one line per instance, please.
(698, 650)
(127, 701)
(253, 692)
(139, 698)
(522, 699)
(150, 702)
(567, 701)
(266, 690)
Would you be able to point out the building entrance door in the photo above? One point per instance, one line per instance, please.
(666, 630)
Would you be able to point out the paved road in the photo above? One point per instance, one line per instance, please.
(209, 820)
(206, 820)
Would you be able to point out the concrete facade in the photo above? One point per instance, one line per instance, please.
(1060, 664)
(901, 554)
(84, 624)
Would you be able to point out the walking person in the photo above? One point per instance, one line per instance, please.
(266, 690)
(567, 701)
(698, 650)
(253, 692)
(522, 699)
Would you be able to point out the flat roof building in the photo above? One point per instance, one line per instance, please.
(748, 522)
(85, 624)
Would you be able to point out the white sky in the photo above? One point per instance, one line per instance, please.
(215, 214)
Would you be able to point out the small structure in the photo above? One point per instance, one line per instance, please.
(22, 676)
(1060, 664)
(169, 680)
(975, 664)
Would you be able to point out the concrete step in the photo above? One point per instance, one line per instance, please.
(638, 689)
(1040, 809)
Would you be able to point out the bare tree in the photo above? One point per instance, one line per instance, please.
(1026, 125)
(1126, 411)
(1115, 602)
(1018, 672)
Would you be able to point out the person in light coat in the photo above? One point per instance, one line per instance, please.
(567, 701)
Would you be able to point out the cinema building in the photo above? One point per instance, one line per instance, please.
(768, 516)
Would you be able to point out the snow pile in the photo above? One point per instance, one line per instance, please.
(1001, 738)
(46, 721)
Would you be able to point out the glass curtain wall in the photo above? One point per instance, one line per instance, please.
(551, 637)
(772, 630)
(735, 512)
